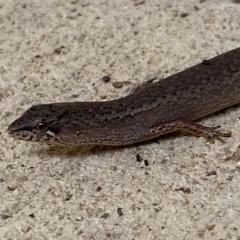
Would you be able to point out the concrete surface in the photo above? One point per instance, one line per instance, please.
(56, 50)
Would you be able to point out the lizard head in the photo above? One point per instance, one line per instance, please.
(39, 123)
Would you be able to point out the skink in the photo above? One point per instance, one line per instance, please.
(168, 105)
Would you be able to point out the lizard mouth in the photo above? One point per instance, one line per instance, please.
(23, 135)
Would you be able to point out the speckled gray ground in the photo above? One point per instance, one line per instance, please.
(54, 50)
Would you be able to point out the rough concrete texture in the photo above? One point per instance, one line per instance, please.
(56, 50)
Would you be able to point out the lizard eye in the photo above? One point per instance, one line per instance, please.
(41, 127)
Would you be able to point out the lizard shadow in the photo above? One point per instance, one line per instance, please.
(88, 150)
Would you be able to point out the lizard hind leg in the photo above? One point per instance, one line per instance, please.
(210, 133)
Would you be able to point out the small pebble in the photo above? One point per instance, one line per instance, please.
(138, 158)
(117, 84)
(106, 79)
(98, 189)
(183, 15)
(119, 211)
